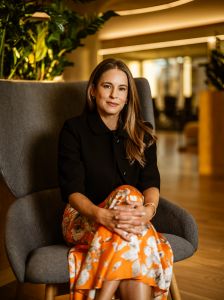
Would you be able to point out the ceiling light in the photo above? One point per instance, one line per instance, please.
(159, 45)
(152, 8)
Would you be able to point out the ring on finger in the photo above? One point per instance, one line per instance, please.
(116, 217)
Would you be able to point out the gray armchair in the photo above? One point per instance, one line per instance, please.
(31, 116)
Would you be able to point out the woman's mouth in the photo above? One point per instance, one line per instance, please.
(112, 104)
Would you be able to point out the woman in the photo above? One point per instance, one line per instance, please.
(109, 177)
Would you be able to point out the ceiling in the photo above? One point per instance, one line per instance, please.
(194, 13)
(181, 29)
(195, 19)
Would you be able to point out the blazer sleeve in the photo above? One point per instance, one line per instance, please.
(149, 174)
(70, 166)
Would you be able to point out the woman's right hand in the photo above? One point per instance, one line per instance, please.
(110, 219)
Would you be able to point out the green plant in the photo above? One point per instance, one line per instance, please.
(215, 67)
(36, 48)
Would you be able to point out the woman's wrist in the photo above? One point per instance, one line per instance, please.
(96, 213)
(151, 207)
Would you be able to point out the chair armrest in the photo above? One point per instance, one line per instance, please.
(31, 222)
(173, 219)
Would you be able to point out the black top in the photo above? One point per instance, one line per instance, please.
(92, 160)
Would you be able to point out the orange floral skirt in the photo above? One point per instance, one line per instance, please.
(98, 254)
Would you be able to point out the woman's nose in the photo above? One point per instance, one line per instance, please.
(114, 93)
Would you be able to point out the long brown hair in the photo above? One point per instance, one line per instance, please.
(140, 135)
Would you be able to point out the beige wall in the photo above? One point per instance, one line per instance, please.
(85, 59)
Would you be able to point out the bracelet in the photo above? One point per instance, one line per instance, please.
(153, 205)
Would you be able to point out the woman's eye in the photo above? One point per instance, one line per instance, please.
(123, 89)
(106, 86)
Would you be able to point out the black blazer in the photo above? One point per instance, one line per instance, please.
(92, 160)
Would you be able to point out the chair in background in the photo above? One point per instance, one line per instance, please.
(31, 116)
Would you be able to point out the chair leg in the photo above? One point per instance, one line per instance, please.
(51, 290)
(169, 296)
(174, 290)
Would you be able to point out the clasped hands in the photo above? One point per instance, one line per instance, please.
(126, 219)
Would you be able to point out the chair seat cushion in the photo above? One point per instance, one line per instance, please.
(182, 249)
(49, 264)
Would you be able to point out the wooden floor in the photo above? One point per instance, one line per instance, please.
(200, 277)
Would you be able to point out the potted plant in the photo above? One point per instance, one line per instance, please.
(35, 48)
(211, 111)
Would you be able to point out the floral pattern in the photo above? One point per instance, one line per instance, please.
(98, 254)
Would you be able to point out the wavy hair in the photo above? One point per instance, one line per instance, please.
(140, 135)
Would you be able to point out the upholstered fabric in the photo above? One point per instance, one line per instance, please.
(31, 115)
(33, 221)
(173, 219)
(145, 96)
(55, 268)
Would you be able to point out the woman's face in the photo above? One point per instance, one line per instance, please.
(111, 93)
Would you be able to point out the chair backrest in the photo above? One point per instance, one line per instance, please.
(31, 116)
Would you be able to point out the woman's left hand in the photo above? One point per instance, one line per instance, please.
(137, 218)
